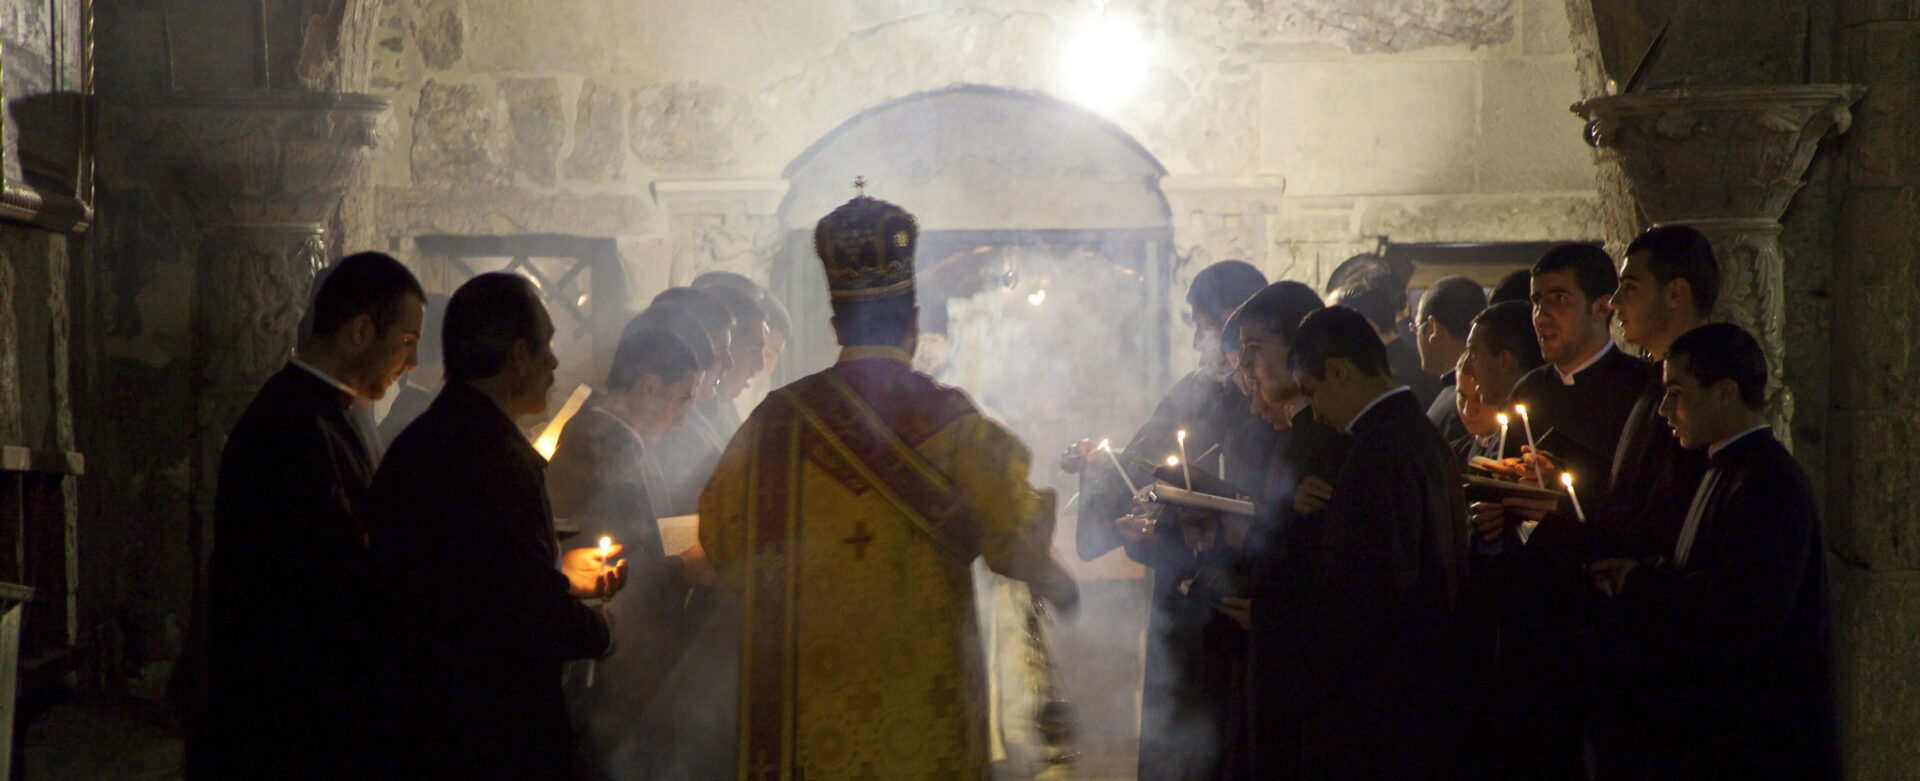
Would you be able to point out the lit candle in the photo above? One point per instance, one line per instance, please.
(1186, 472)
(1105, 447)
(606, 547)
(1566, 479)
(1533, 448)
(1502, 452)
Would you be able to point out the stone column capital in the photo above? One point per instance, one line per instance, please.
(250, 158)
(1734, 153)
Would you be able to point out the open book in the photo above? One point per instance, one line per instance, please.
(678, 533)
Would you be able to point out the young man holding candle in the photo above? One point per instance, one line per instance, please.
(1189, 700)
(600, 477)
(1728, 627)
(1373, 635)
(287, 641)
(474, 618)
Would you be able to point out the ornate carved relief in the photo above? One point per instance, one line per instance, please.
(721, 226)
(1727, 162)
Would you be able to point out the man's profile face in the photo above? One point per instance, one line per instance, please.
(1264, 354)
(1563, 319)
(536, 372)
(666, 405)
(1693, 412)
(1476, 416)
(1206, 341)
(390, 354)
(1332, 393)
(1493, 387)
(1638, 303)
(749, 349)
(776, 342)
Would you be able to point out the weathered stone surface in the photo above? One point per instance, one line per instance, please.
(1318, 118)
(516, 35)
(1544, 29)
(687, 126)
(1876, 618)
(1360, 25)
(1886, 138)
(1875, 524)
(1879, 236)
(1529, 141)
(441, 33)
(599, 135)
(501, 211)
(11, 403)
(458, 135)
(539, 126)
(1564, 217)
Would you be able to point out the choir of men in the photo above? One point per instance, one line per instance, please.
(416, 616)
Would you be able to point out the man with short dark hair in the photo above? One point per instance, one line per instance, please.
(847, 513)
(600, 475)
(475, 619)
(1190, 645)
(1732, 674)
(1589, 386)
(748, 344)
(1381, 296)
(1440, 326)
(1501, 349)
(287, 640)
(1382, 572)
(422, 383)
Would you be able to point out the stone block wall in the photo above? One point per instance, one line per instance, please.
(1293, 133)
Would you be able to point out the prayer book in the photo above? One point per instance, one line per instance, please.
(678, 533)
(1207, 492)
(1488, 489)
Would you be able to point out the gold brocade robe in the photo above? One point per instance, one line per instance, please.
(846, 513)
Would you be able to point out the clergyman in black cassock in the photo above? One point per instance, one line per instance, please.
(1735, 643)
(1374, 636)
(287, 635)
(287, 639)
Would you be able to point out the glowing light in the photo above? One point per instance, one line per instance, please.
(1106, 444)
(1105, 64)
(581, 302)
(550, 436)
(1566, 479)
(1173, 460)
(1037, 297)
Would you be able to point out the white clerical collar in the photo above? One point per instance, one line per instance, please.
(1715, 448)
(1371, 404)
(1488, 440)
(1566, 378)
(325, 377)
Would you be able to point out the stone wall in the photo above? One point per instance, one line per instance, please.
(1293, 133)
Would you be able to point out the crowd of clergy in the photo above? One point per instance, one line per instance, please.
(1490, 542)
(1487, 541)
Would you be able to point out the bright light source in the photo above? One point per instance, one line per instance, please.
(1037, 297)
(1105, 63)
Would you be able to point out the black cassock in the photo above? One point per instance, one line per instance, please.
(286, 622)
(1193, 714)
(623, 722)
(1729, 657)
(1307, 448)
(473, 617)
(1368, 639)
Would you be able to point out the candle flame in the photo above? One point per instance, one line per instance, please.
(606, 544)
(1520, 408)
(1181, 435)
(1173, 460)
(1105, 444)
(1502, 417)
(1566, 478)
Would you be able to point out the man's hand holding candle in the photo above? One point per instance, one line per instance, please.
(590, 576)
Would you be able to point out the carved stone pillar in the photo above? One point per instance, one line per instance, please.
(261, 172)
(1726, 162)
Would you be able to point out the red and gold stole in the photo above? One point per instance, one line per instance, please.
(825, 411)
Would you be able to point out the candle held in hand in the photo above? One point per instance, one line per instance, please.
(1502, 452)
(1106, 447)
(606, 547)
(1533, 448)
(1186, 472)
(1566, 479)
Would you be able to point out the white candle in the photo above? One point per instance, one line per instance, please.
(1185, 472)
(1105, 446)
(1566, 479)
(1533, 448)
(1502, 452)
(606, 547)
